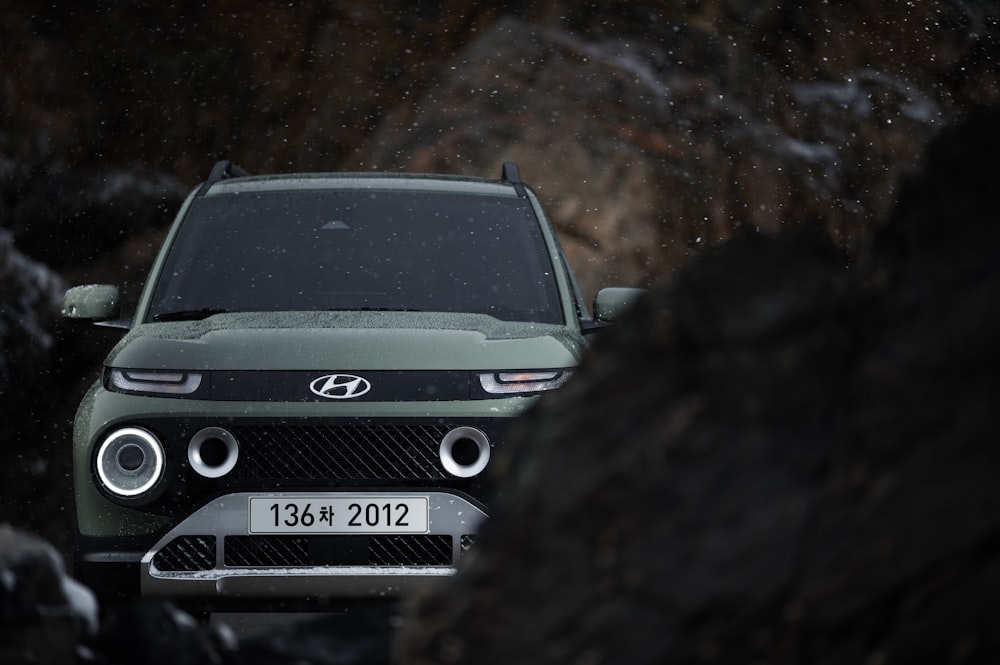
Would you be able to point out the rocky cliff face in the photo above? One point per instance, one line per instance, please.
(653, 133)
(652, 130)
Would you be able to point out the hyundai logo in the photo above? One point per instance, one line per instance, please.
(340, 386)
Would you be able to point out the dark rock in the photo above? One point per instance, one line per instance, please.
(45, 616)
(361, 635)
(780, 459)
(31, 298)
(155, 632)
(77, 217)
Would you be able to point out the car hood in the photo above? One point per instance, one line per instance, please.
(347, 341)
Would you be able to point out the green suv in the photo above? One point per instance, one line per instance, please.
(315, 379)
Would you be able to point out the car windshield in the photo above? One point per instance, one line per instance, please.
(358, 250)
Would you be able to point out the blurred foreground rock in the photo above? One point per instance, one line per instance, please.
(44, 615)
(154, 632)
(781, 460)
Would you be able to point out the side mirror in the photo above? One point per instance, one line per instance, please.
(610, 303)
(93, 302)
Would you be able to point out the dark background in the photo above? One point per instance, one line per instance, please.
(651, 130)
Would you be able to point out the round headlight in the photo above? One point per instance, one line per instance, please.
(130, 461)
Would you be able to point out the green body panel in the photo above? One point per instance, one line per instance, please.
(346, 341)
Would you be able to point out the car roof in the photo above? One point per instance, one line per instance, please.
(362, 181)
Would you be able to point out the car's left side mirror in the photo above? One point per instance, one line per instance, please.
(611, 302)
(93, 302)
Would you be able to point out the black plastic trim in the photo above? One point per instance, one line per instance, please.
(221, 170)
(512, 174)
(385, 386)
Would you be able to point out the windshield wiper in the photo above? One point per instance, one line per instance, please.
(189, 314)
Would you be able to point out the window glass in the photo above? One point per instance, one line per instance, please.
(340, 250)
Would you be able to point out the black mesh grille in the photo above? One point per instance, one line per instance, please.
(290, 551)
(266, 551)
(339, 452)
(186, 554)
(410, 550)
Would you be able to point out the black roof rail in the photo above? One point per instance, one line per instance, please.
(510, 173)
(222, 170)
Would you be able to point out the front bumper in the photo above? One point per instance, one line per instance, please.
(212, 554)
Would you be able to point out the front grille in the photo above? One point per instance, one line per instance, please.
(339, 452)
(266, 552)
(292, 551)
(186, 554)
(409, 550)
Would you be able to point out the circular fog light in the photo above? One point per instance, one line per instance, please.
(213, 452)
(130, 461)
(464, 452)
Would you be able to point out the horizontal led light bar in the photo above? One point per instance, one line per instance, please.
(146, 381)
(519, 383)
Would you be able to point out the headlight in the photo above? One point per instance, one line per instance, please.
(153, 382)
(130, 461)
(519, 383)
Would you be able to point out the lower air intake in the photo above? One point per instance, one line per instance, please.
(292, 551)
(186, 554)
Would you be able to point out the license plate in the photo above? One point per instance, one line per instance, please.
(352, 514)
